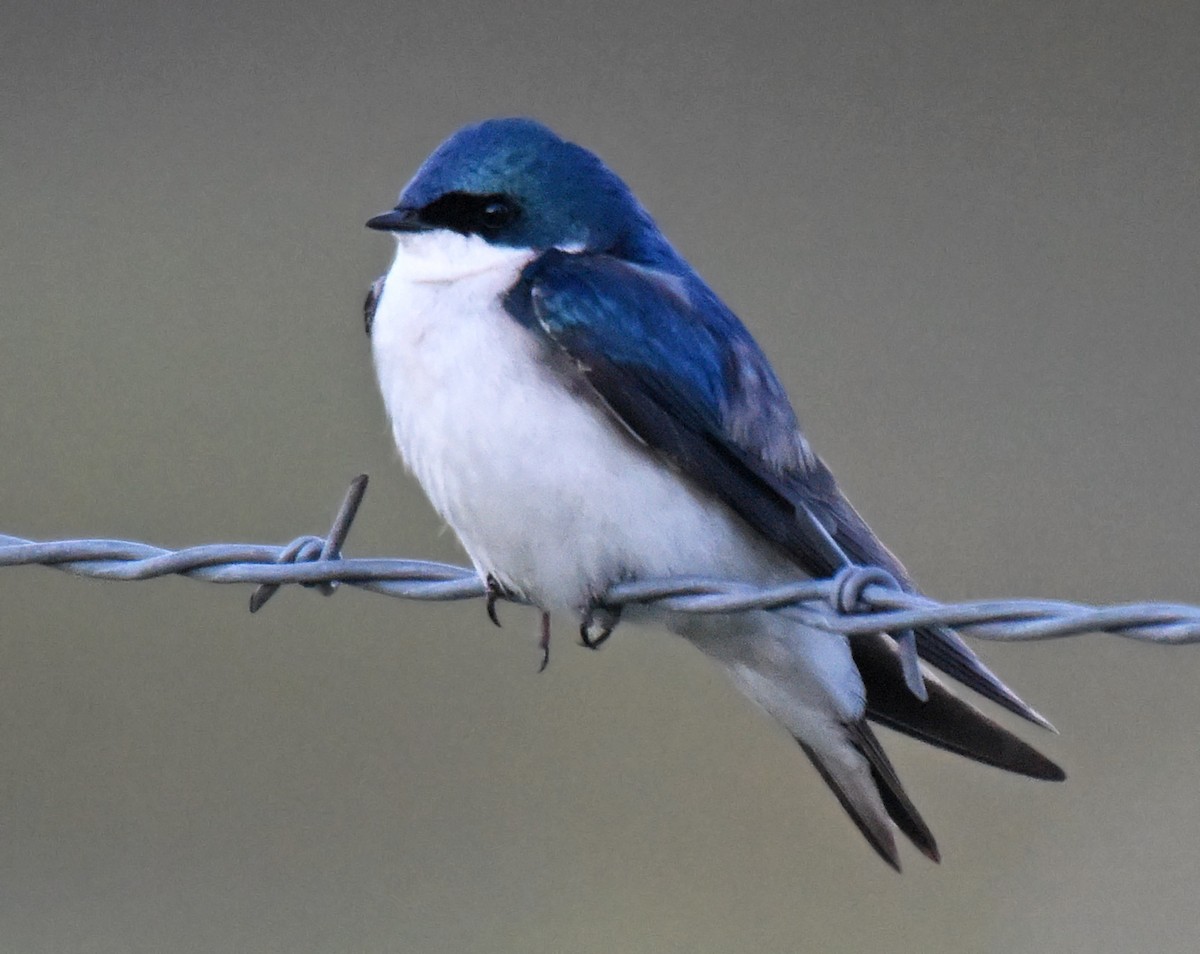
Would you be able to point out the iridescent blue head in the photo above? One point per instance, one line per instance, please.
(514, 183)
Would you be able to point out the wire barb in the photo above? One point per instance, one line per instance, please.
(855, 602)
(310, 549)
(849, 584)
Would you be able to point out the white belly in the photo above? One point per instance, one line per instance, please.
(542, 488)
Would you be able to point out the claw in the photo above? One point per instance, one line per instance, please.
(494, 592)
(606, 619)
(544, 642)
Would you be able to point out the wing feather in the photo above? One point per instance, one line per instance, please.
(675, 367)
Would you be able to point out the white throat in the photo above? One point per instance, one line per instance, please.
(444, 256)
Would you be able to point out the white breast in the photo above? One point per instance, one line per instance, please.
(543, 490)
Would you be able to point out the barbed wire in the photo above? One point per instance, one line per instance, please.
(855, 601)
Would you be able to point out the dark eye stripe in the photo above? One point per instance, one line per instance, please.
(470, 213)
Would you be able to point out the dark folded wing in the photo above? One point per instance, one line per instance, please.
(676, 368)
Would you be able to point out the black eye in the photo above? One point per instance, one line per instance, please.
(470, 213)
(496, 213)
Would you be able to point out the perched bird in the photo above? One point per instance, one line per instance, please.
(582, 409)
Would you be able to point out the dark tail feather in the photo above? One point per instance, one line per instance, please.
(865, 813)
(874, 829)
(944, 720)
(895, 799)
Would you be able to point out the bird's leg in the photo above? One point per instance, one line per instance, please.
(601, 617)
(494, 592)
(544, 642)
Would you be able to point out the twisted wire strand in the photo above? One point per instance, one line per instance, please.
(855, 601)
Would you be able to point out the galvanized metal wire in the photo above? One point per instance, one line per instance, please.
(857, 600)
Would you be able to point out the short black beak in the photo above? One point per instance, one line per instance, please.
(399, 219)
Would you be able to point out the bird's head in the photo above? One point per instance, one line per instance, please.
(513, 183)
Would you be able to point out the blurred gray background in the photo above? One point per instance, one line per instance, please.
(965, 233)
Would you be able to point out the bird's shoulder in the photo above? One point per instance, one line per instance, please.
(667, 330)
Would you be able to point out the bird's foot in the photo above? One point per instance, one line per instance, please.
(495, 591)
(544, 642)
(601, 619)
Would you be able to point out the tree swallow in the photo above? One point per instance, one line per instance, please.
(582, 409)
